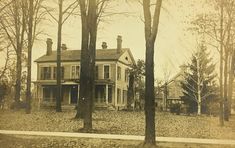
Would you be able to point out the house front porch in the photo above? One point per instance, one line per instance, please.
(46, 94)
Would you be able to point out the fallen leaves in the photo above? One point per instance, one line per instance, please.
(118, 122)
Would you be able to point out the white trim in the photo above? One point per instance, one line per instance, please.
(70, 95)
(107, 93)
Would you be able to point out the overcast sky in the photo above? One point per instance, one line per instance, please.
(174, 43)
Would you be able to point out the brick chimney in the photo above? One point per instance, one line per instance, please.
(104, 45)
(119, 44)
(49, 46)
(64, 47)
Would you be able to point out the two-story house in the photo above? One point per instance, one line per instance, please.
(111, 75)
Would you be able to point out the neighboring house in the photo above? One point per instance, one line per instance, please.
(111, 74)
(174, 92)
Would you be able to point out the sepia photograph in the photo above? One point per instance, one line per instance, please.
(117, 73)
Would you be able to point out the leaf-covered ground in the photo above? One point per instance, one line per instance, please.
(119, 122)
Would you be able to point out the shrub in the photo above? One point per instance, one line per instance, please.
(175, 108)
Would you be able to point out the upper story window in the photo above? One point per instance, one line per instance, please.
(50, 73)
(55, 73)
(126, 75)
(96, 72)
(119, 73)
(45, 73)
(106, 72)
(75, 72)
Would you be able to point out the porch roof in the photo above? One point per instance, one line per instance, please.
(73, 82)
(104, 81)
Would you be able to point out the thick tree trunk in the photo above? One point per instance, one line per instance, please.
(20, 31)
(58, 78)
(30, 44)
(149, 95)
(130, 97)
(92, 25)
(151, 29)
(84, 64)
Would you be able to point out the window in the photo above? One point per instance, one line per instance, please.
(119, 73)
(118, 96)
(55, 73)
(96, 72)
(124, 96)
(54, 93)
(46, 94)
(126, 75)
(45, 73)
(75, 72)
(106, 72)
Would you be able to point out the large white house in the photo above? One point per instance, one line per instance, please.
(111, 82)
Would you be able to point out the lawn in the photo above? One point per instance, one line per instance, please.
(119, 122)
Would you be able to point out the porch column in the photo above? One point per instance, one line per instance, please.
(78, 90)
(37, 96)
(107, 93)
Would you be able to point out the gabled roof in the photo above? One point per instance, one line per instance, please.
(75, 55)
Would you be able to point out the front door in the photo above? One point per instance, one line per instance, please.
(74, 94)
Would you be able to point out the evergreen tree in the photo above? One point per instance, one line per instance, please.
(199, 86)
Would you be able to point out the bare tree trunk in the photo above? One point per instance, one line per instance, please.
(151, 29)
(58, 78)
(230, 82)
(88, 53)
(165, 96)
(221, 117)
(199, 99)
(84, 62)
(19, 48)
(92, 50)
(149, 95)
(30, 44)
(18, 77)
(226, 111)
